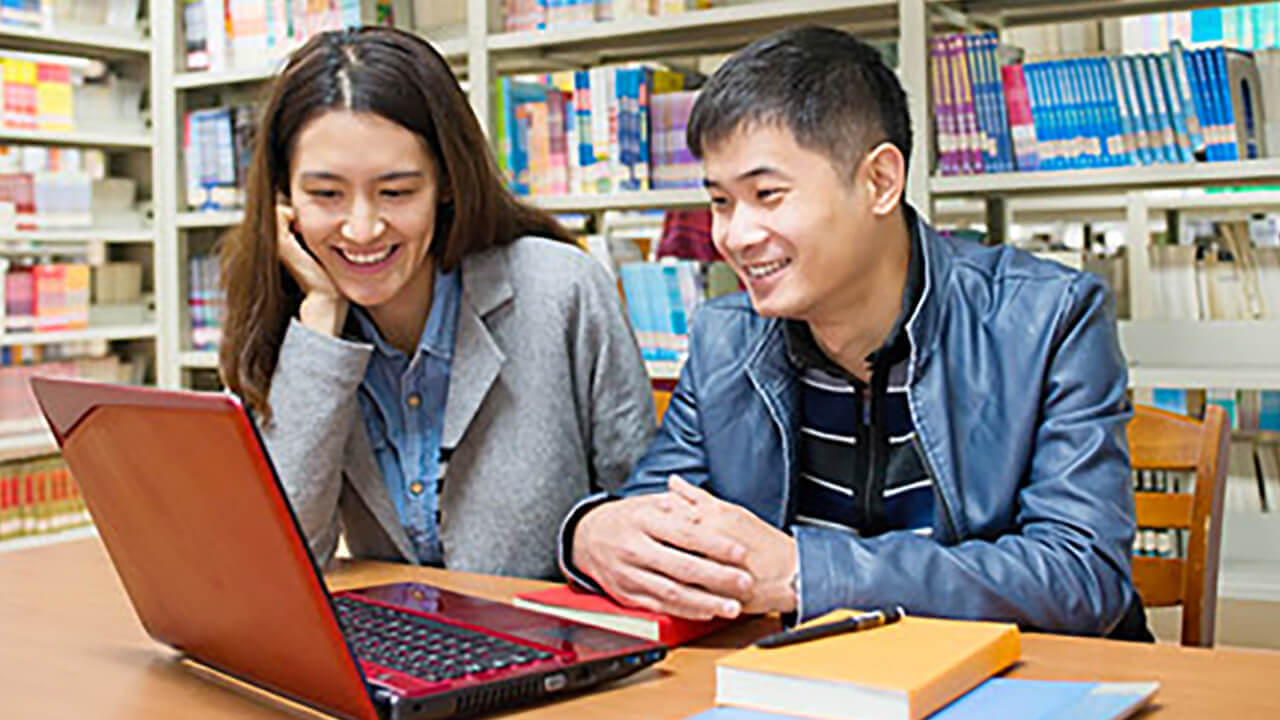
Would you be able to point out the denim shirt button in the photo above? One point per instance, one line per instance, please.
(416, 487)
(414, 400)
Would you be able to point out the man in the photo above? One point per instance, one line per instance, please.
(894, 417)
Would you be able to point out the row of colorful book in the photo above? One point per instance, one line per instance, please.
(217, 150)
(118, 15)
(37, 90)
(1246, 409)
(39, 496)
(204, 302)
(598, 131)
(518, 15)
(1179, 106)
(1253, 27)
(223, 34)
(44, 297)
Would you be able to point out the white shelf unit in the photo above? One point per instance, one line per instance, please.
(103, 332)
(75, 40)
(209, 219)
(199, 359)
(640, 200)
(73, 236)
(88, 138)
(134, 50)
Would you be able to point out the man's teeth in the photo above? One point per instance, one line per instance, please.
(368, 259)
(759, 271)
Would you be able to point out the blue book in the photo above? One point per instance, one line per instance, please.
(1048, 128)
(1173, 101)
(1172, 400)
(1192, 109)
(1269, 410)
(1039, 117)
(1012, 699)
(1004, 134)
(1160, 108)
(1227, 113)
(1212, 125)
(1142, 108)
(1125, 97)
(1099, 133)
(1117, 133)
(982, 102)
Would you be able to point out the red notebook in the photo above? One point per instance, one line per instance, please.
(569, 602)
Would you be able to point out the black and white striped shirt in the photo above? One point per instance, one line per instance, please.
(859, 468)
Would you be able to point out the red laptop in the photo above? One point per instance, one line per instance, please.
(197, 524)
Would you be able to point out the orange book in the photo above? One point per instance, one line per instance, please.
(902, 671)
(589, 608)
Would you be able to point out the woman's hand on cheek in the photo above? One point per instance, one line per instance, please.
(324, 309)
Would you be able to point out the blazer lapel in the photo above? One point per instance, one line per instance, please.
(477, 358)
(367, 480)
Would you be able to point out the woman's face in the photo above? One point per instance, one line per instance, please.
(364, 193)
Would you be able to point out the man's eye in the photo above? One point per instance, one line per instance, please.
(766, 193)
(719, 201)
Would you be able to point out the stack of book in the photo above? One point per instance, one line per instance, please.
(204, 302)
(37, 90)
(39, 496)
(604, 130)
(520, 15)
(246, 34)
(1179, 106)
(217, 150)
(54, 187)
(660, 299)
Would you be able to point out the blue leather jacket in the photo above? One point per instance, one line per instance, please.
(1017, 393)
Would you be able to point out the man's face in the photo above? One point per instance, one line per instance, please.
(798, 231)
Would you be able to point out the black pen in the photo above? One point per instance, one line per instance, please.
(862, 621)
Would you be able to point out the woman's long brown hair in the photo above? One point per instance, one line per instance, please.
(397, 76)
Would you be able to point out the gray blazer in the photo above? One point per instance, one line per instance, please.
(548, 401)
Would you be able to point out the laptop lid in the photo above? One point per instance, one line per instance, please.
(202, 537)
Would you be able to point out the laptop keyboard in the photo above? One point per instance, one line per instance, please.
(426, 648)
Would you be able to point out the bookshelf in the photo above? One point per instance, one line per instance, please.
(127, 143)
(75, 40)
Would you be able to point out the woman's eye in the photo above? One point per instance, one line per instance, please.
(323, 194)
(396, 193)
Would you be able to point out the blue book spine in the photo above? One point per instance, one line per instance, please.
(1226, 113)
(1155, 104)
(1125, 108)
(1039, 119)
(1004, 134)
(1192, 108)
(1053, 115)
(1146, 110)
(1116, 133)
(1100, 155)
(1061, 111)
(976, 47)
(1076, 120)
(1177, 113)
(1203, 81)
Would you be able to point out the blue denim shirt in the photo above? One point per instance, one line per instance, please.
(402, 404)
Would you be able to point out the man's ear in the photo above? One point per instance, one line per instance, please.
(886, 175)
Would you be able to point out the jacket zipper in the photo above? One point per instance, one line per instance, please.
(937, 489)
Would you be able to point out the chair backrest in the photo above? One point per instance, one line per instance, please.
(661, 399)
(1160, 440)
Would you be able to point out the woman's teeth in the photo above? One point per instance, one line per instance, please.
(367, 258)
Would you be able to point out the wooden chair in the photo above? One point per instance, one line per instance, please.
(1160, 440)
(661, 399)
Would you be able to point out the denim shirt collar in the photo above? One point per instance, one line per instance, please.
(437, 333)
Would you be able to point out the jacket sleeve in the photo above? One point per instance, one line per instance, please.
(612, 384)
(1065, 567)
(677, 448)
(313, 406)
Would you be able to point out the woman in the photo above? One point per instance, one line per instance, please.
(437, 373)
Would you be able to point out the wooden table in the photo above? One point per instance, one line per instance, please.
(71, 647)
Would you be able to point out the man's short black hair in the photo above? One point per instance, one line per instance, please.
(831, 90)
